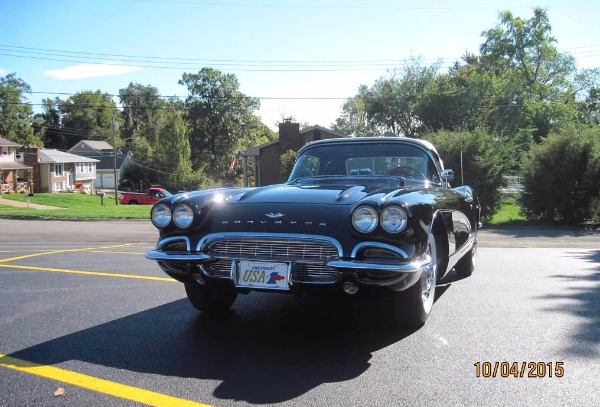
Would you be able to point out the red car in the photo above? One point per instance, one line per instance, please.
(149, 197)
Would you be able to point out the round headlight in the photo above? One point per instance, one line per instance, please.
(364, 219)
(160, 215)
(393, 219)
(183, 216)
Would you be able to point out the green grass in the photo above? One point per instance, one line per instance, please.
(81, 206)
(509, 214)
(74, 206)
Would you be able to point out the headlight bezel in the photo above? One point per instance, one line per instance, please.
(187, 215)
(363, 211)
(388, 215)
(166, 215)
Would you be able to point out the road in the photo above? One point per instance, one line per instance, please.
(82, 310)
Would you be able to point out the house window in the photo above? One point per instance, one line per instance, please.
(81, 168)
(58, 170)
(90, 168)
(58, 186)
(3, 151)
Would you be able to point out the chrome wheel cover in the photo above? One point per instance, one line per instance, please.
(428, 279)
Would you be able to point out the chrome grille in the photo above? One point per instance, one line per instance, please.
(307, 257)
(313, 273)
(219, 268)
(278, 249)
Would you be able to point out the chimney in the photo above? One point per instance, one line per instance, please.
(289, 136)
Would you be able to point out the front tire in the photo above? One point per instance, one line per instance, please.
(466, 265)
(210, 299)
(412, 306)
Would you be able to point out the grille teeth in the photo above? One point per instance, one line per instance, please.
(308, 258)
(281, 250)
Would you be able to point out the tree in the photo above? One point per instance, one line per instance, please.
(88, 115)
(16, 115)
(390, 104)
(588, 85)
(482, 160)
(286, 161)
(216, 112)
(176, 152)
(142, 108)
(537, 81)
(354, 119)
(562, 177)
(47, 125)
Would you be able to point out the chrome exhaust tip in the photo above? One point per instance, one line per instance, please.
(349, 288)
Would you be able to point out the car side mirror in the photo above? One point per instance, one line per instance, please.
(447, 176)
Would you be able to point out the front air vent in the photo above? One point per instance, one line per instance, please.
(176, 246)
(377, 255)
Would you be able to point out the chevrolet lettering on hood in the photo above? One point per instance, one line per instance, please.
(357, 215)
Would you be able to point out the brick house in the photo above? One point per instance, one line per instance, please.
(57, 171)
(266, 163)
(15, 176)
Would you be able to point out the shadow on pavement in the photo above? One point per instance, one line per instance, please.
(263, 351)
(582, 289)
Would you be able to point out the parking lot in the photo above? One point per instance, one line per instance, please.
(82, 310)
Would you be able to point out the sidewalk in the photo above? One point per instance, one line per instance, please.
(19, 204)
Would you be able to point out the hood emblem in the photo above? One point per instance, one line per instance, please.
(275, 215)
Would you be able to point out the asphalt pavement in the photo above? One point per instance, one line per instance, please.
(81, 309)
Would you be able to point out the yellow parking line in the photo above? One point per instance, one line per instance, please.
(96, 384)
(113, 252)
(84, 249)
(88, 273)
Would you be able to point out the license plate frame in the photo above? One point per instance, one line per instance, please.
(264, 275)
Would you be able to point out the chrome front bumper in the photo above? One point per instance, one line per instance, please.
(181, 264)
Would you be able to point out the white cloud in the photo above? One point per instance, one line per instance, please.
(3, 72)
(83, 71)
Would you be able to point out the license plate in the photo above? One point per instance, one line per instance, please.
(268, 275)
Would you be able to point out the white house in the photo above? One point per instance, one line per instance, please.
(60, 171)
(104, 153)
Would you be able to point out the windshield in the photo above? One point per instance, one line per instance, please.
(356, 159)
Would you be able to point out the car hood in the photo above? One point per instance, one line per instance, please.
(323, 193)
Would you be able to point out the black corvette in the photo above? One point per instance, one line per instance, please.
(373, 215)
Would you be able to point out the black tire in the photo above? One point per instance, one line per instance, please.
(466, 265)
(210, 299)
(133, 203)
(412, 306)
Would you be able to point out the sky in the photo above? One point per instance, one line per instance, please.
(302, 58)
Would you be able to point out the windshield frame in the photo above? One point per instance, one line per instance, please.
(323, 160)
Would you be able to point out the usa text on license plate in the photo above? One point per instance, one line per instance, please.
(263, 275)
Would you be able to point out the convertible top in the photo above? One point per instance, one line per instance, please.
(424, 144)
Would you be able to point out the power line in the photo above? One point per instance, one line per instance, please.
(254, 62)
(370, 5)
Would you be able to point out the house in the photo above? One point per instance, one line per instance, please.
(105, 154)
(266, 163)
(15, 176)
(58, 171)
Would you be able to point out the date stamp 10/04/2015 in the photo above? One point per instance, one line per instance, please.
(519, 369)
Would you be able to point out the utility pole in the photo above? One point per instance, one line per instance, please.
(115, 126)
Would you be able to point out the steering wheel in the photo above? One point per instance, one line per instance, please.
(402, 171)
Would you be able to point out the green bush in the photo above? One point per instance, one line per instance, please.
(562, 177)
(483, 164)
(287, 160)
